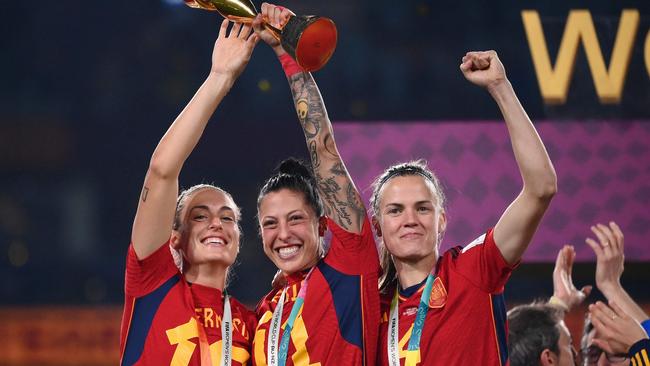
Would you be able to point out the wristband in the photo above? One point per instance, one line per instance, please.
(289, 65)
(555, 301)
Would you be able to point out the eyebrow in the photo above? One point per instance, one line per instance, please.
(204, 207)
(200, 207)
(288, 214)
(417, 203)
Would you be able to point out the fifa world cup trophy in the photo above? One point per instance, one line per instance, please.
(309, 39)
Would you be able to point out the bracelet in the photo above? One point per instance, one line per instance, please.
(556, 301)
(289, 65)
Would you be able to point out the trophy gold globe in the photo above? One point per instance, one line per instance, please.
(309, 39)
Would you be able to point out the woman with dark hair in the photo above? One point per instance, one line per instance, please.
(324, 308)
(431, 302)
(176, 310)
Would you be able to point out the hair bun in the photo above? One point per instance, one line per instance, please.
(293, 166)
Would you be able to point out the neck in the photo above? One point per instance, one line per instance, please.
(307, 267)
(210, 275)
(411, 273)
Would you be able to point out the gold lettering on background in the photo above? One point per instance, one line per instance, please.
(647, 53)
(554, 81)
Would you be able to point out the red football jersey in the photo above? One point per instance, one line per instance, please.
(466, 320)
(339, 322)
(161, 311)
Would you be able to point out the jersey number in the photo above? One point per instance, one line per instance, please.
(181, 335)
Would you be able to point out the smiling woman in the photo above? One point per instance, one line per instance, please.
(323, 307)
(183, 245)
(291, 221)
(431, 301)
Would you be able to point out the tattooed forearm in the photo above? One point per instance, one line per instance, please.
(310, 109)
(340, 198)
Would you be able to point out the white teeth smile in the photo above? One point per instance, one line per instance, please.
(288, 251)
(214, 241)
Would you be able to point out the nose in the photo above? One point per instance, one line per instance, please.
(410, 218)
(216, 223)
(283, 231)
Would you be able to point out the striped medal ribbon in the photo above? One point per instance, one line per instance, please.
(226, 333)
(413, 351)
(277, 353)
(226, 338)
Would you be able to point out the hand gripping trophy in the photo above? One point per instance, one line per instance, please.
(309, 39)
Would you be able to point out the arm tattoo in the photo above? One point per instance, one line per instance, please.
(340, 197)
(313, 154)
(145, 192)
(310, 110)
(330, 147)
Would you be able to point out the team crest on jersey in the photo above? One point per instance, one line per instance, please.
(438, 296)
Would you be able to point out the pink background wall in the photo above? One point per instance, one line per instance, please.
(603, 170)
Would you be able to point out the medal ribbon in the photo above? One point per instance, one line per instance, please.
(226, 333)
(274, 332)
(277, 353)
(226, 338)
(413, 350)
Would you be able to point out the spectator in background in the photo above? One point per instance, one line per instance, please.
(537, 334)
(609, 250)
(617, 335)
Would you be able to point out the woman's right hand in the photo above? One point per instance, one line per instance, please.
(609, 256)
(233, 50)
(275, 16)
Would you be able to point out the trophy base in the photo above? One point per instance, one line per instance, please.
(310, 40)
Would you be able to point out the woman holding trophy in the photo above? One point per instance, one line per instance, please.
(323, 308)
(176, 310)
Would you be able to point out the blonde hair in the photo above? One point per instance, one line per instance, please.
(180, 205)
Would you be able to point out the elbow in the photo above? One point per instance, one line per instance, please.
(159, 170)
(545, 187)
(549, 191)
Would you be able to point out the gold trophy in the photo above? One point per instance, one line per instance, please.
(309, 39)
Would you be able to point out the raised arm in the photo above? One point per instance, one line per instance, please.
(340, 197)
(514, 230)
(152, 226)
(565, 295)
(609, 251)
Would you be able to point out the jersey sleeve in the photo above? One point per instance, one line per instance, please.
(482, 263)
(352, 253)
(145, 275)
(640, 353)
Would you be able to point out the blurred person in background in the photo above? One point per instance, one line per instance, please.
(430, 302)
(537, 334)
(327, 303)
(176, 310)
(618, 335)
(610, 259)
